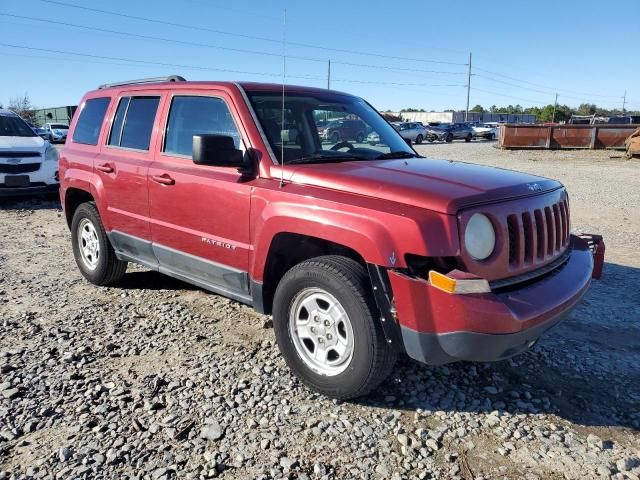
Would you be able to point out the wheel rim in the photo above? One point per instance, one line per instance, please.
(89, 244)
(321, 331)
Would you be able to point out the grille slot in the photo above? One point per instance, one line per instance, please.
(19, 167)
(539, 235)
(14, 154)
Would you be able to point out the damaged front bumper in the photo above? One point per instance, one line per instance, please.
(437, 327)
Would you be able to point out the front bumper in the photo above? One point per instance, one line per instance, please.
(438, 327)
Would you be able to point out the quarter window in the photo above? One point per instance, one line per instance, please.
(192, 115)
(91, 117)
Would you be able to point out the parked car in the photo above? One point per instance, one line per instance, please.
(448, 132)
(28, 164)
(359, 254)
(487, 131)
(373, 138)
(341, 130)
(57, 132)
(413, 131)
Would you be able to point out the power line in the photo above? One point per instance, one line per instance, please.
(553, 89)
(219, 47)
(243, 72)
(162, 39)
(151, 63)
(529, 89)
(510, 96)
(234, 34)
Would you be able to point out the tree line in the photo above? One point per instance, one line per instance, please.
(543, 114)
(562, 112)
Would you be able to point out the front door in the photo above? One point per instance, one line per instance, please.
(200, 213)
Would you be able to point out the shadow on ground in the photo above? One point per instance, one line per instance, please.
(152, 280)
(50, 201)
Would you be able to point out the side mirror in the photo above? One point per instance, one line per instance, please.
(216, 150)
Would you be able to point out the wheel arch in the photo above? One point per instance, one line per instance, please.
(74, 197)
(286, 250)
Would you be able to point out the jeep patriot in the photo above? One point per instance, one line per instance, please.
(359, 252)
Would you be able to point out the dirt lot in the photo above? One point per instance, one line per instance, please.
(154, 378)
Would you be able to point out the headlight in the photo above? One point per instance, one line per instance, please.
(479, 237)
(51, 154)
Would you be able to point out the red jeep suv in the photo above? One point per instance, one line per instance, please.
(359, 252)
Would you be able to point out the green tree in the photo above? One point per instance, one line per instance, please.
(587, 109)
(477, 109)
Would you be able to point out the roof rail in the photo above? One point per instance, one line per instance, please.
(171, 78)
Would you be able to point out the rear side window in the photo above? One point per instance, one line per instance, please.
(88, 126)
(190, 115)
(116, 129)
(133, 123)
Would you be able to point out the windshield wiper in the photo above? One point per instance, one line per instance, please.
(325, 158)
(402, 154)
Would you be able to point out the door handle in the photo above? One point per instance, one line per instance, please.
(163, 179)
(105, 167)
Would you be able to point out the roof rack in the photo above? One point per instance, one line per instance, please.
(171, 78)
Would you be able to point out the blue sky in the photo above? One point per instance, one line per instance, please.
(523, 51)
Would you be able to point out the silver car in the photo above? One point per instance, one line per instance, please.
(56, 132)
(413, 131)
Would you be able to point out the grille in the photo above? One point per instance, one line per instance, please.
(19, 167)
(539, 235)
(19, 154)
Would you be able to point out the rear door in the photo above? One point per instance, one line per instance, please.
(200, 213)
(122, 166)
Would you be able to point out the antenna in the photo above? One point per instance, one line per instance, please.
(284, 76)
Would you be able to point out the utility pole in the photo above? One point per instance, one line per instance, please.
(555, 105)
(624, 101)
(329, 75)
(466, 113)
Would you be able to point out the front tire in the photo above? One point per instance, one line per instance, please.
(326, 325)
(449, 138)
(419, 139)
(467, 138)
(92, 250)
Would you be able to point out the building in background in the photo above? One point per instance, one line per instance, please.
(457, 117)
(55, 115)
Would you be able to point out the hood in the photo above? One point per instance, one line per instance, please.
(438, 185)
(21, 143)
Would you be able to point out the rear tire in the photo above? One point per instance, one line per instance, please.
(329, 299)
(468, 138)
(335, 137)
(360, 138)
(491, 137)
(419, 139)
(449, 138)
(92, 250)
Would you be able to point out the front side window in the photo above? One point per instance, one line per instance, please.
(193, 115)
(88, 126)
(319, 127)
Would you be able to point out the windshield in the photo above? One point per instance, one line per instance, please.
(59, 126)
(325, 128)
(11, 126)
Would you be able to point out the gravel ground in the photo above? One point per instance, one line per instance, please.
(156, 379)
